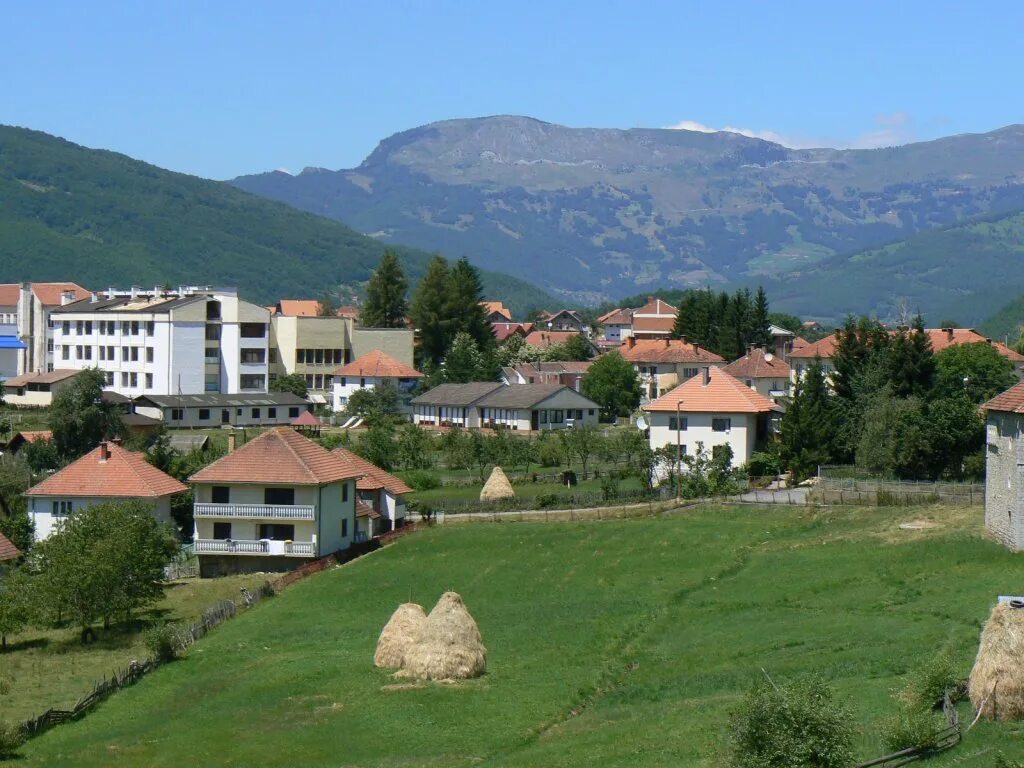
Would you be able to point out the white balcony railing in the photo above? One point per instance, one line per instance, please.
(255, 547)
(255, 511)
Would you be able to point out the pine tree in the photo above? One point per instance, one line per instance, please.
(431, 311)
(807, 433)
(464, 361)
(465, 294)
(386, 305)
(762, 334)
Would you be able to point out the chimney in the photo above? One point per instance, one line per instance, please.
(104, 452)
(93, 298)
(232, 441)
(667, 342)
(707, 375)
(630, 342)
(695, 348)
(949, 333)
(66, 297)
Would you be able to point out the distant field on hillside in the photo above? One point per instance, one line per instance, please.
(617, 643)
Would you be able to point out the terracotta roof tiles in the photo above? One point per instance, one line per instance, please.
(379, 364)
(1010, 401)
(7, 550)
(666, 351)
(545, 339)
(373, 477)
(722, 394)
(758, 364)
(109, 471)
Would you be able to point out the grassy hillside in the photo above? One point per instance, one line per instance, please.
(100, 218)
(627, 642)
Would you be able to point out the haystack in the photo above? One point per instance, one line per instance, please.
(997, 680)
(449, 647)
(402, 630)
(497, 487)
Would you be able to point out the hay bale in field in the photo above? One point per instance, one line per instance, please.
(449, 647)
(497, 487)
(401, 631)
(996, 685)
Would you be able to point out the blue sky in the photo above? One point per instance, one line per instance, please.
(224, 88)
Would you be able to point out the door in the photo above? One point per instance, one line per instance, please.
(279, 497)
(534, 420)
(225, 416)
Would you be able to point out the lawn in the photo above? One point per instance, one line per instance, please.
(615, 643)
(51, 668)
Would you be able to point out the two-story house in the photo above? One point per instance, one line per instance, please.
(369, 371)
(662, 364)
(762, 371)
(381, 497)
(276, 502)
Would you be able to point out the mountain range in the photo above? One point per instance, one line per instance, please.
(103, 219)
(593, 214)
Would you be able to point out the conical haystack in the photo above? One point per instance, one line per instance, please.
(497, 487)
(401, 631)
(449, 647)
(997, 680)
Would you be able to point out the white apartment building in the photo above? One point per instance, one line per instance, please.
(190, 341)
(26, 329)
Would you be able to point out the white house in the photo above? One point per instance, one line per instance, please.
(661, 364)
(712, 408)
(521, 407)
(189, 342)
(369, 371)
(763, 372)
(617, 325)
(382, 497)
(36, 389)
(451, 405)
(215, 410)
(276, 502)
(108, 473)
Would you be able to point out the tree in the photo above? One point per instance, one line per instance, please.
(612, 383)
(583, 443)
(856, 342)
(975, 370)
(80, 418)
(292, 382)
(430, 311)
(375, 405)
(576, 348)
(761, 334)
(377, 445)
(15, 603)
(807, 431)
(327, 305)
(464, 362)
(456, 448)
(910, 361)
(41, 455)
(465, 308)
(414, 447)
(386, 305)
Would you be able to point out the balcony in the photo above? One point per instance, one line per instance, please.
(254, 547)
(255, 511)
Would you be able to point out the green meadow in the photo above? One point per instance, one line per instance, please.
(614, 643)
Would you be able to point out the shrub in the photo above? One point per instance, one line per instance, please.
(12, 736)
(610, 486)
(931, 680)
(546, 500)
(421, 479)
(912, 727)
(162, 641)
(791, 726)
(917, 720)
(5, 686)
(549, 451)
(764, 464)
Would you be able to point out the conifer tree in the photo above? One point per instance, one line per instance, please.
(465, 310)
(431, 311)
(762, 334)
(807, 432)
(386, 305)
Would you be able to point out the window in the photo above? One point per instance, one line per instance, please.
(65, 352)
(251, 381)
(213, 333)
(222, 530)
(271, 413)
(65, 327)
(220, 494)
(88, 353)
(212, 355)
(253, 330)
(293, 413)
(78, 352)
(318, 356)
(318, 381)
(689, 373)
(61, 508)
(344, 491)
(88, 327)
(300, 356)
(78, 327)
(150, 327)
(721, 425)
(124, 354)
(110, 353)
(103, 353)
(135, 327)
(149, 354)
(204, 414)
(124, 379)
(343, 381)
(252, 356)
(279, 496)
(212, 382)
(49, 345)
(557, 417)
(125, 327)
(255, 413)
(177, 414)
(135, 354)
(679, 425)
(277, 531)
(590, 411)
(213, 310)
(309, 381)
(134, 379)
(110, 378)
(344, 527)
(362, 381)
(149, 381)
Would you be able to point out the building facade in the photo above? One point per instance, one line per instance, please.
(25, 317)
(519, 407)
(662, 364)
(370, 371)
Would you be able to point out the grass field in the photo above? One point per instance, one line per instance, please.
(51, 668)
(616, 643)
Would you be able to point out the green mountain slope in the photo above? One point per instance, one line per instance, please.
(1006, 323)
(961, 272)
(603, 213)
(101, 218)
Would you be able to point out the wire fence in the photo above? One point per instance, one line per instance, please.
(853, 485)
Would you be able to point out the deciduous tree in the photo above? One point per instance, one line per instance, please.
(80, 418)
(612, 383)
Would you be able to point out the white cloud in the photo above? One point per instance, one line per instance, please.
(893, 130)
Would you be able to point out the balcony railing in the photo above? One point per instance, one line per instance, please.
(255, 511)
(254, 547)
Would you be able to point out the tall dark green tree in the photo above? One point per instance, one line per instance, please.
(467, 313)
(910, 361)
(856, 342)
(386, 305)
(760, 331)
(807, 433)
(430, 311)
(80, 418)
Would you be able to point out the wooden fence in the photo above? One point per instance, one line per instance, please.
(876, 491)
(945, 738)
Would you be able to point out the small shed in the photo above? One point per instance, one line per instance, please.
(307, 423)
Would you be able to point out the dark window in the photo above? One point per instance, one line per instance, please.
(222, 530)
(253, 330)
(255, 413)
(590, 411)
(251, 381)
(279, 496)
(674, 426)
(220, 494)
(271, 413)
(344, 492)
(212, 310)
(213, 333)
(251, 356)
(277, 531)
(721, 425)
(293, 413)
(177, 414)
(204, 414)
(344, 527)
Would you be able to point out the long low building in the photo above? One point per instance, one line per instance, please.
(522, 407)
(36, 389)
(213, 410)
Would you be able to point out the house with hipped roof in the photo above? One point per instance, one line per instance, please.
(763, 371)
(712, 408)
(276, 502)
(662, 364)
(380, 498)
(8, 553)
(108, 473)
(369, 371)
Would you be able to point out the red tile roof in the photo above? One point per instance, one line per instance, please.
(722, 394)
(545, 339)
(9, 294)
(944, 338)
(666, 351)
(616, 317)
(758, 364)
(35, 436)
(374, 478)
(496, 306)
(365, 510)
(306, 419)
(656, 306)
(648, 326)
(48, 293)
(297, 307)
(278, 457)
(109, 471)
(378, 364)
(7, 550)
(823, 348)
(503, 330)
(1010, 401)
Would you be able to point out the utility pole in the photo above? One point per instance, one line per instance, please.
(679, 453)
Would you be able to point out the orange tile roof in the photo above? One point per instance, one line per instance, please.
(365, 510)
(123, 474)
(497, 306)
(944, 338)
(723, 394)
(666, 351)
(298, 307)
(278, 457)
(823, 348)
(653, 325)
(503, 330)
(49, 293)
(1010, 401)
(7, 550)
(655, 306)
(545, 339)
(378, 364)
(35, 436)
(758, 364)
(616, 317)
(306, 419)
(374, 478)
(9, 294)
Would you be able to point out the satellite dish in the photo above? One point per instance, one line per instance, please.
(768, 357)
(641, 424)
